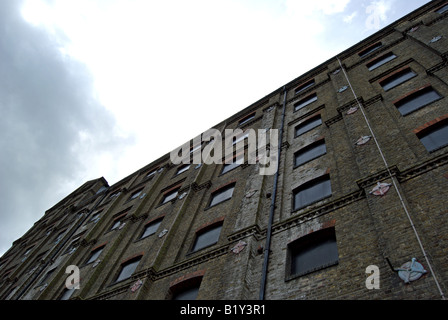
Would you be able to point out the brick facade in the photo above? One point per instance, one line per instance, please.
(384, 231)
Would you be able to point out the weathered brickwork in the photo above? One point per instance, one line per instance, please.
(385, 231)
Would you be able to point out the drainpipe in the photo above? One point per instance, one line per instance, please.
(272, 207)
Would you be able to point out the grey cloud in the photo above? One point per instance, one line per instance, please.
(46, 99)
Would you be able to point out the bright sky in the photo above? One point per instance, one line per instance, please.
(119, 83)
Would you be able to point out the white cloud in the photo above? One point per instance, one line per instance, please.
(328, 7)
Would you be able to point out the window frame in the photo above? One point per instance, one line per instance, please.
(320, 241)
(394, 80)
(307, 122)
(204, 231)
(134, 195)
(304, 86)
(193, 283)
(183, 168)
(125, 264)
(442, 9)
(313, 146)
(94, 253)
(413, 96)
(246, 119)
(149, 224)
(436, 127)
(166, 195)
(376, 63)
(307, 186)
(220, 191)
(370, 49)
(306, 101)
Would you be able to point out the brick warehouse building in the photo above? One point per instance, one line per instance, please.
(360, 191)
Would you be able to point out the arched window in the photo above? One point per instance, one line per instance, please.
(312, 252)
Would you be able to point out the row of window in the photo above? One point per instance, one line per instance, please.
(307, 254)
(433, 138)
(204, 237)
(216, 197)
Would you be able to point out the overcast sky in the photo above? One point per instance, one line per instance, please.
(102, 88)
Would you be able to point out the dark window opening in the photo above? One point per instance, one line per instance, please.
(94, 255)
(370, 49)
(304, 86)
(313, 252)
(304, 102)
(135, 194)
(310, 152)
(182, 169)
(246, 119)
(417, 100)
(222, 195)
(127, 269)
(311, 192)
(443, 9)
(435, 137)
(235, 164)
(170, 196)
(207, 237)
(151, 228)
(187, 289)
(380, 61)
(397, 79)
(308, 125)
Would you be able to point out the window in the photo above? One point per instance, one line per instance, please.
(370, 49)
(304, 102)
(114, 194)
(417, 100)
(198, 147)
(240, 138)
(246, 119)
(308, 125)
(128, 268)
(222, 194)
(443, 9)
(380, 61)
(182, 169)
(59, 237)
(312, 252)
(187, 289)
(397, 78)
(67, 294)
(304, 86)
(187, 293)
(135, 194)
(207, 237)
(170, 196)
(230, 166)
(95, 254)
(310, 152)
(311, 192)
(95, 217)
(46, 277)
(435, 137)
(151, 174)
(115, 225)
(151, 228)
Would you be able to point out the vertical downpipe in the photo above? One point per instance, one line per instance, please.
(272, 207)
